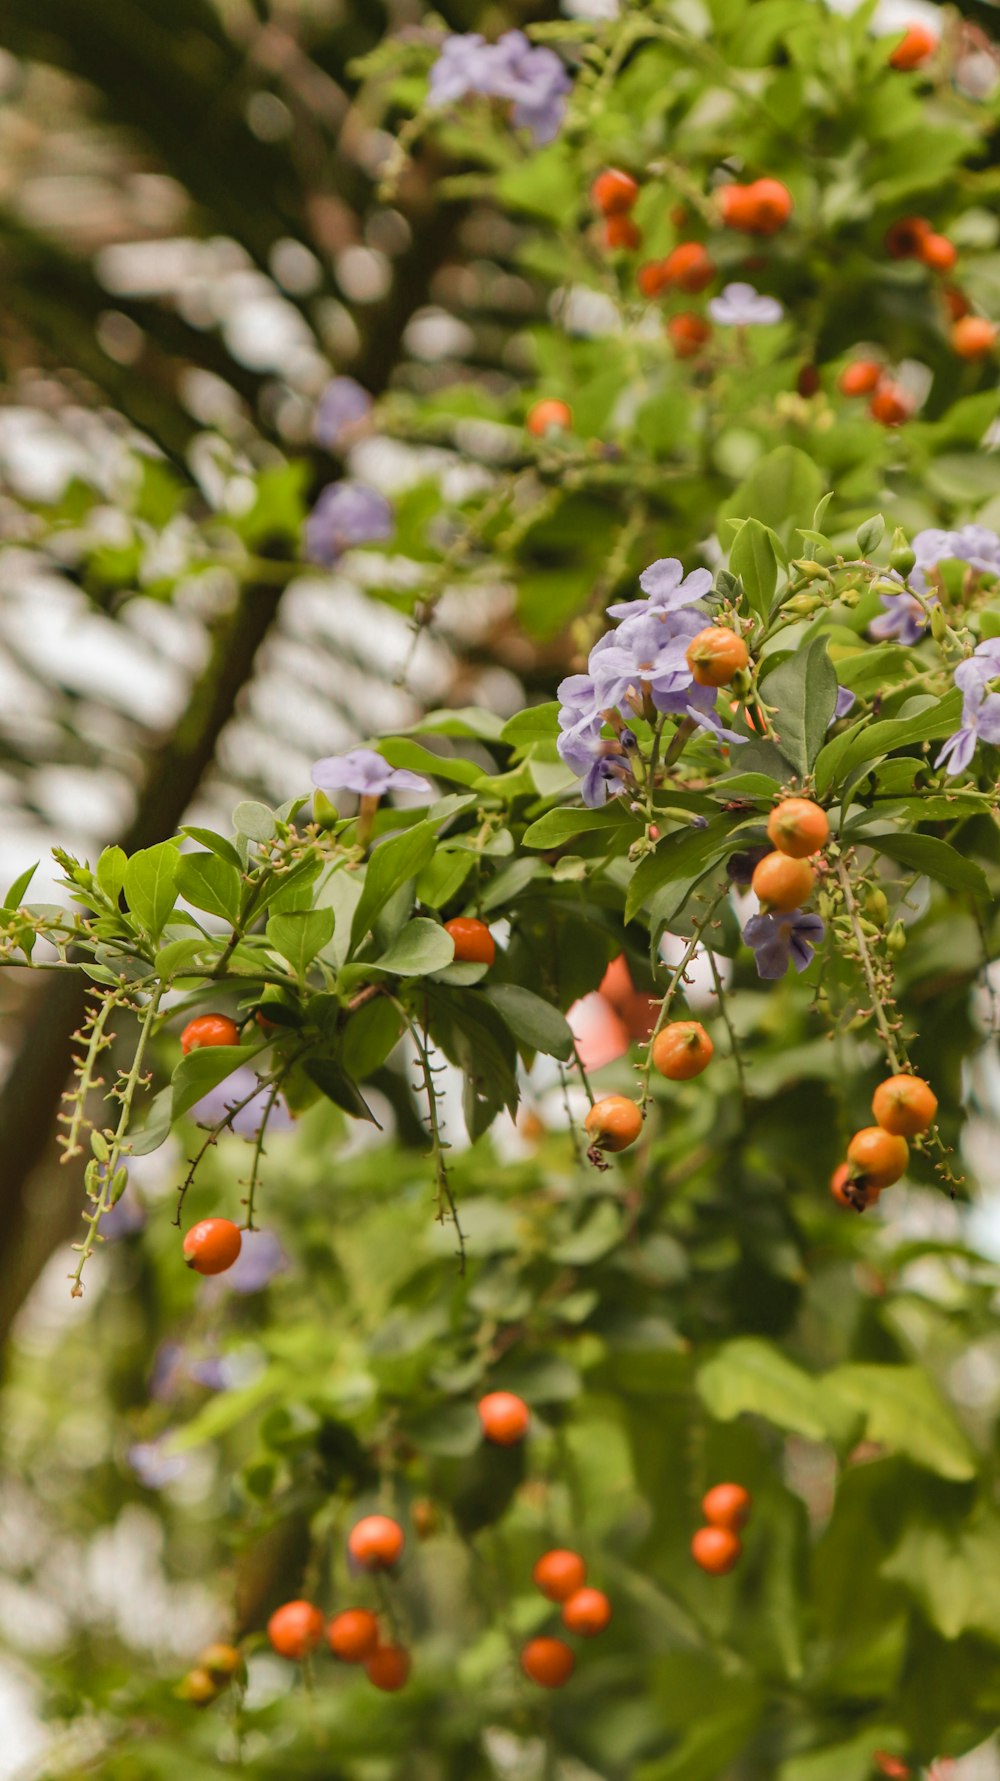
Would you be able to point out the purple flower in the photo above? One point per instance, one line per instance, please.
(778, 940)
(246, 1123)
(980, 707)
(667, 589)
(975, 545)
(577, 699)
(152, 1466)
(343, 407)
(903, 618)
(532, 80)
(646, 653)
(707, 718)
(346, 513)
(601, 761)
(846, 701)
(740, 306)
(368, 774)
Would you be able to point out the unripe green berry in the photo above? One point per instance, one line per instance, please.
(324, 811)
(939, 624)
(877, 906)
(896, 937)
(902, 557)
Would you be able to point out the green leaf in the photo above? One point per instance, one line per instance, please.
(780, 491)
(203, 1070)
(15, 896)
(156, 1129)
(254, 820)
(111, 872)
(210, 883)
(751, 1375)
(369, 1036)
(300, 935)
(683, 855)
(400, 751)
(752, 558)
(540, 723)
(392, 865)
(466, 720)
(937, 718)
(804, 690)
(557, 826)
(444, 875)
(870, 534)
(422, 946)
(533, 1021)
(453, 1431)
(172, 959)
(150, 885)
(926, 853)
(954, 1573)
(903, 1411)
(338, 1087)
(216, 844)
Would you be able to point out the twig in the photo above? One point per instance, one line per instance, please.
(672, 988)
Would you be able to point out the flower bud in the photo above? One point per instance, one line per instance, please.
(896, 937)
(877, 906)
(324, 812)
(939, 624)
(902, 557)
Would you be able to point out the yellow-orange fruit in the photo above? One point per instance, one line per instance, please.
(716, 655)
(879, 1157)
(798, 827)
(613, 1123)
(904, 1105)
(782, 883)
(682, 1050)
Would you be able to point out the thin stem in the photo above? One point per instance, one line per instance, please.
(671, 990)
(871, 979)
(258, 1151)
(98, 1040)
(447, 1207)
(126, 1095)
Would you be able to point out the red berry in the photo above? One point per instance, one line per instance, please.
(938, 253)
(559, 1574)
(212, 1246)
(295, 1630)
(905, 237)
(689, 266)
(726, 1505)
(860, 377)
(916, 47)
(388, 1668)
(889, 406)
(973, 337)
(375, 1542)
(613, 192)
(548, 1662)
(621, 232)
(587, 1613)
(209, 1029)
(688, 333)
(716, 1550)
(474, 944)
(652, 278)
(504, 1418)
(353, 1635)
(549, 416)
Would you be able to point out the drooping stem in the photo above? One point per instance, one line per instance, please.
(673, 985)
(109, 1187)
(446, 1206)
(893, 1051)
(258, 1151)
(98, 1039)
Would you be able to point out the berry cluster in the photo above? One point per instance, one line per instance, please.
(904, 1107)
(717, 1546)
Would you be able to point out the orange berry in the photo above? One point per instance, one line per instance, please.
(388, 1668)
(652, 278)
(727, 1505)
(682, 1050)
(938, 253)
(198, 1687)
(613, 1123)
(893, 1766)
(504, 1418)
(915, 48)
(689, 266)
(613, 192)
(549, 416)
(211, 1246)
(587, 1613)
(221, 1661)
(715, 655)
(559, 1574)
(798, 827)
(758, 209)
(375, 1542)
(474, 944)
(716, 1550)
(353, 1635)
(973, 337)
(889, 406)
(688, 333)
(860, 377)
(879, 1157)
(548, 1662)
(295, 1630)
(782, 884)
(621, 232)
(904, 1105)
(905, 237)
(854, 1196)
(209, 1029)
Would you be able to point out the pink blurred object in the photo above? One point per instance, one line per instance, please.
(636, 1009)
(600, 1035)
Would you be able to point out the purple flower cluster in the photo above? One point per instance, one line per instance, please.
(366, 773)
(346, 514)
(341, 412)
(905, 618)
(980, 707)
(639, 666)
(532, 80)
